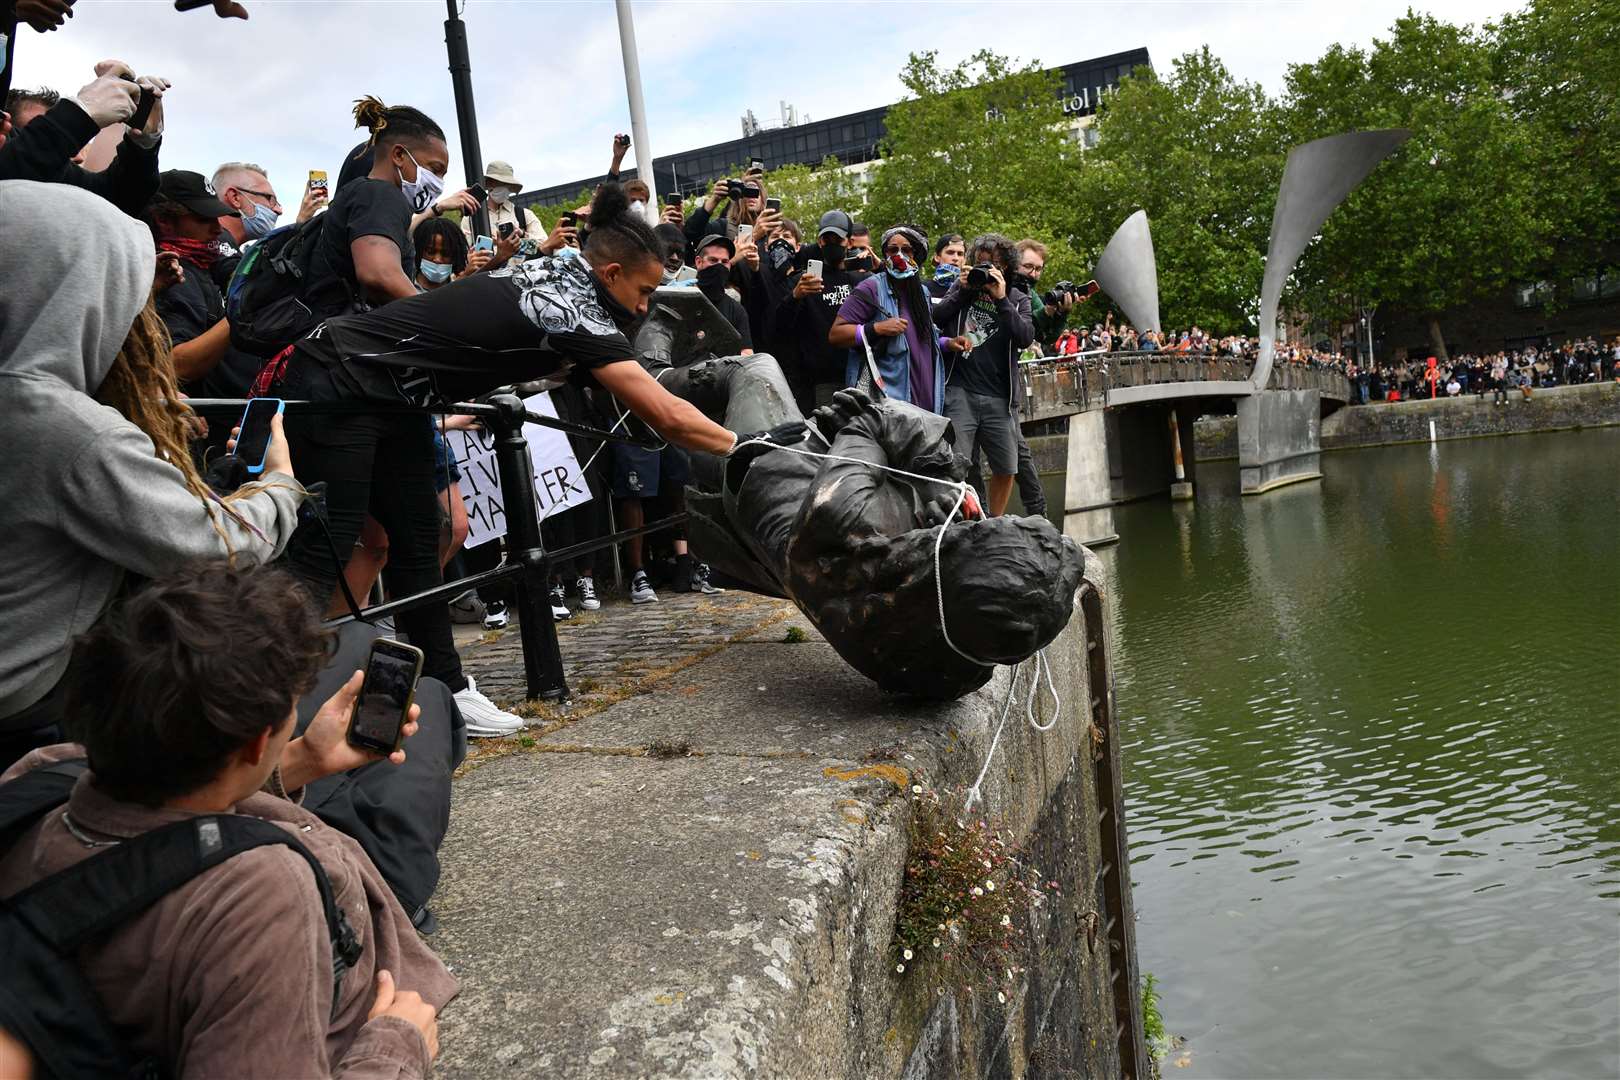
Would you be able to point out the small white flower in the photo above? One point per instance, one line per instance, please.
(907, 954)
(916, 789)
(977, 891)
(899, 967)
(940, 927)
(936, 943)
(1001, 997)
(987, 864)
(990, 886)
(1006, 920)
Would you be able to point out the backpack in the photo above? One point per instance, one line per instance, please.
(45, 999)
(265, 299)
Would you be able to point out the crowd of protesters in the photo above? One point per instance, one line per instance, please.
(1503, 375)
(144, 622)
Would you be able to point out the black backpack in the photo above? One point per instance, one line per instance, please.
(44, 998)
(266, 299)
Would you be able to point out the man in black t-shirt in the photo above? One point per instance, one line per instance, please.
(808, 313)
(365, 207)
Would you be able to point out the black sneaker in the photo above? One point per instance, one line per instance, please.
(495, 616)
(700, 580)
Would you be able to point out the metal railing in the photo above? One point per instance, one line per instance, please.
(1061, 385)
(526, 562)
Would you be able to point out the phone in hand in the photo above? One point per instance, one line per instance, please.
(813, 267)
(1090, 288)
(507, 229)
(570, 219)
(743, 233)
(622, 141)
(477, 191)
(756, 165)
(773, 203)
(483, 243)
(253, 440)
(674, 198)
(317, 179)
(143, 110)
(380, 712)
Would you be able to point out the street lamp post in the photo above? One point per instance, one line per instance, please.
(472, 157)
(638, 111)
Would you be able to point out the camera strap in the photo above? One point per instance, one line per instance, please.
(314, 508)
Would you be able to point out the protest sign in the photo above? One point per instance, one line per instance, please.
(559, 482)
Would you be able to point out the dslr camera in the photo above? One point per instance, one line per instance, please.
(1057, 293)
(738, 189)
(979, 275)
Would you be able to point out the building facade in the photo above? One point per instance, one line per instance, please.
(852, 139)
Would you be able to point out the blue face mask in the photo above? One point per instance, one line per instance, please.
(946, 272)
(260, 223)
(437, 273)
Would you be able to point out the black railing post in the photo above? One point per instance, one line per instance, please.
(542, 659)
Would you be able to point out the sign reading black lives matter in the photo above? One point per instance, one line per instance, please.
(559, 482)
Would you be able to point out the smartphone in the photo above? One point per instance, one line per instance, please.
(570, 219)
(744, 232)
(813, 267)
(317, 179)
(477, 191)
(143, 110)
(483, 243)
(674, 198)
(756, 164)
(507, 229)
(1090, 288)
(773, 204)
(385, 697)
(253, 441)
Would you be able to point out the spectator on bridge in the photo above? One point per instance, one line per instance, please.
(238, 964)
(983, 388)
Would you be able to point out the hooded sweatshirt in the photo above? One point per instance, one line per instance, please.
(88, 501)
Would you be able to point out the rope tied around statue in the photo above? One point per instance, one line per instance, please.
(965, 498)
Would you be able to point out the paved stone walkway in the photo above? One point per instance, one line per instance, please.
(612, 654)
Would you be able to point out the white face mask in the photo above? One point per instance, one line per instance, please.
(499, 195)
(422, 192)
(637, 206)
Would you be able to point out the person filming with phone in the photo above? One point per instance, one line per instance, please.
(982, 385)
(511, 222)
(241, 962)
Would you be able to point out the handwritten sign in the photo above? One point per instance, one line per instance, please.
(559, 482)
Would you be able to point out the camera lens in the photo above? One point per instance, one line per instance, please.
(979, 276)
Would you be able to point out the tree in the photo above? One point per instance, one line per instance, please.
(1558, 62)
(1455, 214)
(807, 193)
(980, 147)
(1200, 152)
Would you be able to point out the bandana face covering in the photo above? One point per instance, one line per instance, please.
(203, 253)
(900, 267)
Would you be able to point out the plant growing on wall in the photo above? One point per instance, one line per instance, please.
(966, 896)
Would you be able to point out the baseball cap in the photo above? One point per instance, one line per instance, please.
(191, 191)
(837, 222)
(716, 238)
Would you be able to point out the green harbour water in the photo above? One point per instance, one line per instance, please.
(1372, 746)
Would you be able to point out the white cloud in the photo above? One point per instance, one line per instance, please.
(548, 80)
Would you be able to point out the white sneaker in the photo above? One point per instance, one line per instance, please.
(641, 592)
(495, 616)
(700, 580)
(484, 718)
(586, 587)
(559, 606)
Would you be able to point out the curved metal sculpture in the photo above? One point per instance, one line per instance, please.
(1128, 273)
(1316, 179)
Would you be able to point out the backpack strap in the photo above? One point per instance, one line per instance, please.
(522, 216)
(32, 795)
(45, 925)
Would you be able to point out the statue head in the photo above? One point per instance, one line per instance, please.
(1010, 585)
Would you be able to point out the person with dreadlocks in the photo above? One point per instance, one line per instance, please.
(560, 314)
(99, 485)
(887, 317)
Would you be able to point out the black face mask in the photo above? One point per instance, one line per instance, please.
(1021, 281)
(712, 279)
(622, 316)
(832, 255)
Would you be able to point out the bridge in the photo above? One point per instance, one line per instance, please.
(1127, 420)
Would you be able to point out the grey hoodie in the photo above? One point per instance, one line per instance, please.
(86, 499)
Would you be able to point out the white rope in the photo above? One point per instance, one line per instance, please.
(1042, 665)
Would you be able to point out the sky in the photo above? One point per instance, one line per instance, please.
(549, 82)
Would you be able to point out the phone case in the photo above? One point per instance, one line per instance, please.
(405, 710)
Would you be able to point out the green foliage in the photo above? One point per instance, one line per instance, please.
(966, 900)
(1201, 153)
(1456, 213)
(1152, 1022)
(807, 193)
(980, 147)
(794, 636)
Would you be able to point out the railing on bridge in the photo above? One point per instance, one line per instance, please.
(1061, 385)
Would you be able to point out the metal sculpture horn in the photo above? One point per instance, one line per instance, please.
(1316, 179)
(1128, 273)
